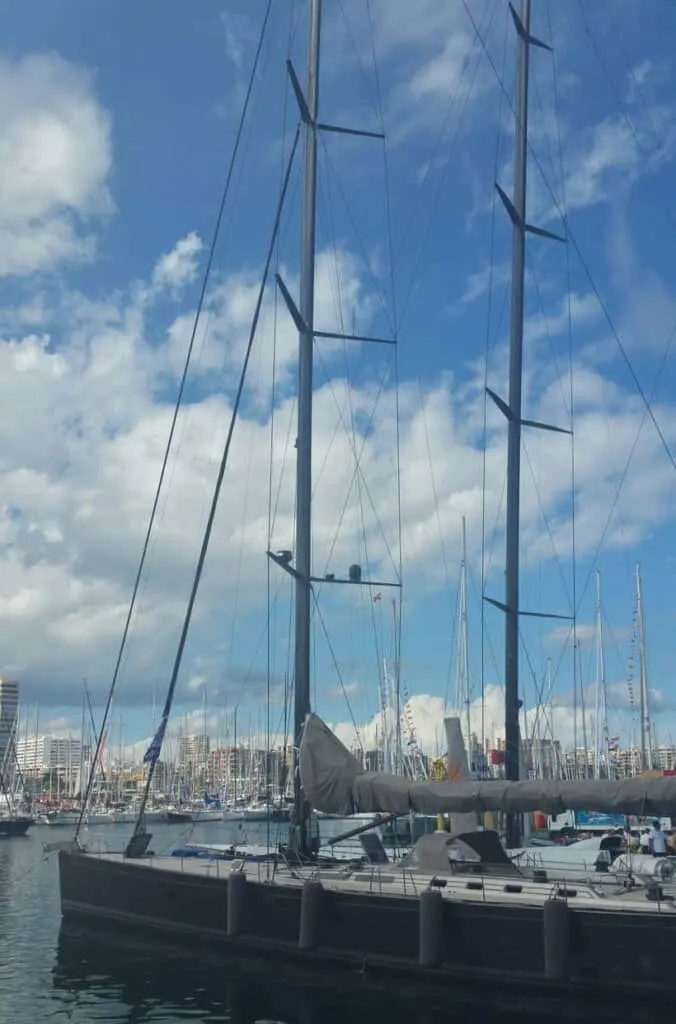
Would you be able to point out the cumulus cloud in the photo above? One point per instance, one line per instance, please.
(78, 482)
(558, 720)
(178, 268)
(55, 159)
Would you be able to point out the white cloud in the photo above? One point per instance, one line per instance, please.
(558, 720)
(351, 689)
(178, 267)
(81, 464)
(585, 633)
(439, 65)
(55, 159)
(486, 719)
(605, 159)
(479, 282)
(578, 310)
(341, 303)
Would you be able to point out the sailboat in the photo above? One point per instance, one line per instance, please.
(458, 907)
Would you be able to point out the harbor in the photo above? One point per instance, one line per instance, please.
(336, 674)
(83, 976)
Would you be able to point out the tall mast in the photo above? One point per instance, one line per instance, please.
(601, 710)
(303, 317)
(463, 660)
(516, 208)
(512, 703)
(398, 752)
(303, 554)
(646, 745)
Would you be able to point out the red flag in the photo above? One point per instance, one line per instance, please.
(376, 598)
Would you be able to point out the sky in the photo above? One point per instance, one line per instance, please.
(116, 128)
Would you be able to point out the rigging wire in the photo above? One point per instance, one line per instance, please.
(179, 401)
(219, 482)
(358, 455)
(337, 670)
(349, 413)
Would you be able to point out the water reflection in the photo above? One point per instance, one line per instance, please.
(116, 980)
(47, 974)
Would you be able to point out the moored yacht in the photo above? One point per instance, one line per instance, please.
(458, 906)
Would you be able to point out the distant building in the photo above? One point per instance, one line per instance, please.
(192, 759)
(543, 758)
(665, 757)
(62, 755)
(9, 716)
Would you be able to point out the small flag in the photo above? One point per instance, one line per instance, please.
(376, 598)
(152, 754)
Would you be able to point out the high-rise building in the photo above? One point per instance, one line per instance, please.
(193, 751)
(9, 716)
(63, 755)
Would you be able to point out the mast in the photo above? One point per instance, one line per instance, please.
(601, 710)
(385, 711)
(646, 745)
(303, 554)
(512, 703)
(80, 793)
(465, 643)
(516, 208)
(398, 749)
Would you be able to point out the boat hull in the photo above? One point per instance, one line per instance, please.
(12, 827)
(613, 953)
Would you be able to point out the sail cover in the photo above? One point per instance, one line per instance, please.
(334, 782)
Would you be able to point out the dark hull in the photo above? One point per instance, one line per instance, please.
(613, 955)
(12, 827)
(177, 817)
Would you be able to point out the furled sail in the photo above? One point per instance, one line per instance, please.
(334, 782)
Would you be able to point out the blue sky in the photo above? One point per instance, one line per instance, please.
(116, 126)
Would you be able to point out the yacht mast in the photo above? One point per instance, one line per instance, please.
(601, 710)
(512, 702)
(303, 553)
(516, 208)
(646, 744)
(303, 317)
(462, 691)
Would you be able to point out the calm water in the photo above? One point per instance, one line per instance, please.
(48, 974)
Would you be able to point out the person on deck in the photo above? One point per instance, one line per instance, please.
(658, 841)
(644, 841)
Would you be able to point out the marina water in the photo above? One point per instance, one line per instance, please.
(50, 974)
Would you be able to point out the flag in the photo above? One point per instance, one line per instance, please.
(152, 754)
(376, 598)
